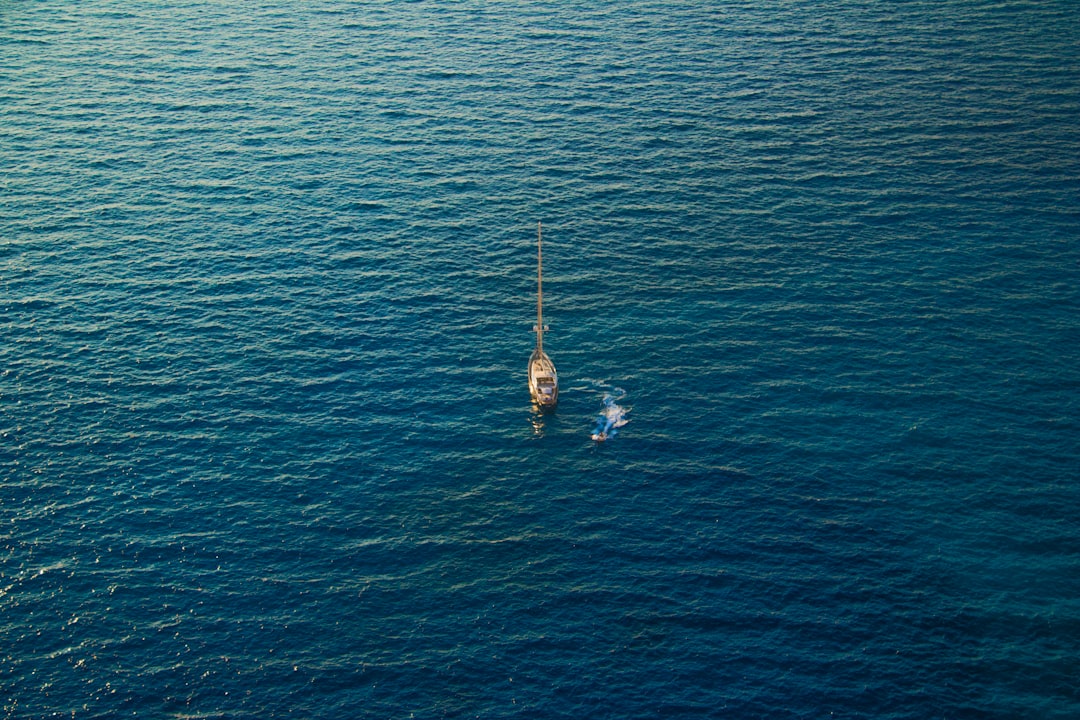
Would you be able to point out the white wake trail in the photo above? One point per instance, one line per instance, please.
(612, 417)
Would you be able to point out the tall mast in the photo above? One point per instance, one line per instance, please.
(539, 290)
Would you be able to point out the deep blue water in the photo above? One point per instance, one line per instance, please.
(267, 276)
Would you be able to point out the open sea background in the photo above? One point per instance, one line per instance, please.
(267, 276)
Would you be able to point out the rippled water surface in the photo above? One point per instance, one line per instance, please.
(267, 275)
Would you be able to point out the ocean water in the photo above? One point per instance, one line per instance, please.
(267, 276)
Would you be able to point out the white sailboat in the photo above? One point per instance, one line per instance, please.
(543, 379)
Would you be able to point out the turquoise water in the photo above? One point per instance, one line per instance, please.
(267, 277)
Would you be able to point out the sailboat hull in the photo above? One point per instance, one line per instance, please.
(543, 380)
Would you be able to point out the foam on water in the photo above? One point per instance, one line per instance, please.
(612, 416)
